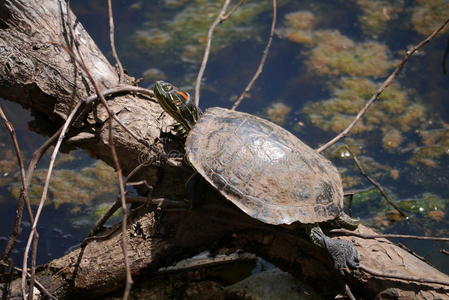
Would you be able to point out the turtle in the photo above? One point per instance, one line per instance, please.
(263, 169)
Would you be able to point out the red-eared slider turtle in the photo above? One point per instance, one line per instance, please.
(263, 169)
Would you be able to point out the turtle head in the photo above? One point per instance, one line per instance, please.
(178, 105)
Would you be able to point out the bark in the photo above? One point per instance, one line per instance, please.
(40, 75)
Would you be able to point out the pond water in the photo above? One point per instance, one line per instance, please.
(326, 60)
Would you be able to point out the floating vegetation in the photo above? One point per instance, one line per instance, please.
(278, 112)
(427, 15)
(8, 163)
(153, 74)
(298, 27)
(72, 186)
(427, 204)
(376, 14)
(435, 145)
(331, 52)
(185, 34)
(392, 139)
(8, 167)
(396, 111)
(336, 54)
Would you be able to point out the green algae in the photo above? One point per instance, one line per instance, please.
(427, 204)
(298, 27)
(376, 14)
(392, 139)
(72, 186)
(333, 53)
(185, 34)
(428, 15)
(397, 111)
(278, 112)
(435, 146)
(336, 54)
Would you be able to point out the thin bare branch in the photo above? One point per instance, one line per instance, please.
(231, 11)
(349, 292)
(382, 87)
(38, 284)
(207, 50)
(23, 195)
(375, 183)
(44, 193)
(118, 170)
(112, 40)
(399, 236)
(259, 70)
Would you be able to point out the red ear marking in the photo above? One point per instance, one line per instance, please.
(184, 95)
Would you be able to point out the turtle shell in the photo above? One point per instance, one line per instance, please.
(264, 169)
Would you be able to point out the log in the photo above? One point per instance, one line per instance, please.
(40, 75)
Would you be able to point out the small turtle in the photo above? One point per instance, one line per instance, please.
(263, 169)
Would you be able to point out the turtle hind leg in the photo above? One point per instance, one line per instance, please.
(343, 253)
(345, 221)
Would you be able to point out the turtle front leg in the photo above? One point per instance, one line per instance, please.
(343, 253)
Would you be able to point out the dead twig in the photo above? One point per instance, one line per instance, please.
(24, 193)
(207, 50)
(349, 292)
(39, 285)
(375, 183)
(231, 11)
(444, 251)
(382, 87)
(112, 40)
(379, 236)
(118, 170)
(259, 70)
(353, 192)
(33, 232)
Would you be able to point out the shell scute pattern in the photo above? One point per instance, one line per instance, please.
(263, 169)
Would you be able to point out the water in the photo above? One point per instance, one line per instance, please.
(314, 69)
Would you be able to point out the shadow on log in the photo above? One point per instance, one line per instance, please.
(41, 76)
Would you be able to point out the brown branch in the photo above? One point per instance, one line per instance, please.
(349, 293)
(353, 192)
(23, 195)
(231, 11)
(61, 136)
(375, 183)
(399, 236)
(112, 40)
(382, 87)
(207, 51)
(123, 89)
(406, 278)
(118, 170)
(259, 70)
(444, 251)
(45, 192)
(39, 285)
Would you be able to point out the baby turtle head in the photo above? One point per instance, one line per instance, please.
(177, 104)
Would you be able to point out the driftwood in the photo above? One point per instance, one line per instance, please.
(37, 73)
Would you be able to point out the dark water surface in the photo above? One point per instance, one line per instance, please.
(326, 56)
